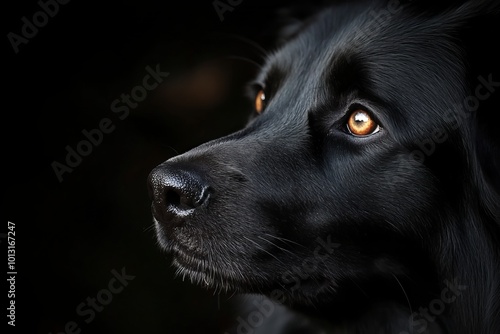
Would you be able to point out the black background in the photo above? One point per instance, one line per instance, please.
(70, 235)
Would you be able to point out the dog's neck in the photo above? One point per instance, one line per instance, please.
(458, 303)
(475, 247)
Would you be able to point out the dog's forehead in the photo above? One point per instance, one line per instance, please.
(378, 37)
(402, 57)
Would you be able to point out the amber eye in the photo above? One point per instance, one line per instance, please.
(260, 101)
(361, 123)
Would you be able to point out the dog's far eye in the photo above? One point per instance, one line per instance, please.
(260, 101)
(361, 123)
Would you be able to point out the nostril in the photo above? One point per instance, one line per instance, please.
(176, 192)
(172, 197)
(184, 199)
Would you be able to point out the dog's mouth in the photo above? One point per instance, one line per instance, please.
(192, 266)
(198, 265)
(189, 260)
(202, 271)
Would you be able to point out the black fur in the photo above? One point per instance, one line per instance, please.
(394, 232)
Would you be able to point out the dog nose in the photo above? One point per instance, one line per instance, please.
(176, 192)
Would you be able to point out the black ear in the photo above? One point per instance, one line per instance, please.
(479, 38)
(290, 19)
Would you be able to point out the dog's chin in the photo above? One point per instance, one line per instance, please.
(199, 267)
(195, 269)
(202, 272)
(208, 269)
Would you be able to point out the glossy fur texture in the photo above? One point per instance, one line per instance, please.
(392, 232)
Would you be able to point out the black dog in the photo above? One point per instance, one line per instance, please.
(365, 189)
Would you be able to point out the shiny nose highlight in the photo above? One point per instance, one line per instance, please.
(176, 192)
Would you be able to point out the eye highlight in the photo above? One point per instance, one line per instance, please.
(260, 101)
(361, 123)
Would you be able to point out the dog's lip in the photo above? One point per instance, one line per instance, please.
(195, 264)
(190, 256)
(199, 270)
(192, 266)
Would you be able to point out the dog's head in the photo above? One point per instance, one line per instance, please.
(369, 140)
